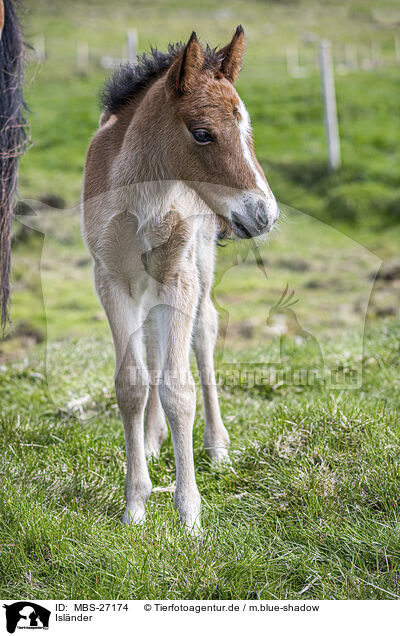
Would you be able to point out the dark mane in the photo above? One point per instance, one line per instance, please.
(129, 79)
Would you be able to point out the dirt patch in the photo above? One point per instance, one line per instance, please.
(294, 264)
(22, 338)
(389, 271)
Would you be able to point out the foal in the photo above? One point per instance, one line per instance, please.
(171, 166)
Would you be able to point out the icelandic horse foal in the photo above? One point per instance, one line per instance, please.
(171, 166)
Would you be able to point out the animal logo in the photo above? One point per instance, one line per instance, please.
(26, 615)
(291, 328)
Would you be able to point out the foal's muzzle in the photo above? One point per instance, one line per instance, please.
(254, 221)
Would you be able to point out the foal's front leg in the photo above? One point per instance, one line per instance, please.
(178, 398)
(131, 385)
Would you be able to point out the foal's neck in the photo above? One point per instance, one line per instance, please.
(146, 138)
(142, 171)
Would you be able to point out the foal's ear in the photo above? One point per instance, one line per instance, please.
(184, 72)
(232, 55)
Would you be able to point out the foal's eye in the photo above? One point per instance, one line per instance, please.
(202, 137)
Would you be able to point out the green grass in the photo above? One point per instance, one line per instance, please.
(309, 508)
(311, 500)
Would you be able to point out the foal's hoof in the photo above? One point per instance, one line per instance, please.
(152, 449)
(219, 457)
(154, 440)
(217, 446)
(188, 507)
(135, 516)
(194, 529)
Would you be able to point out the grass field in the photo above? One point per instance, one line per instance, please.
(309, 507)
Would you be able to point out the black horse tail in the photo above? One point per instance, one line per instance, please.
(13, 136)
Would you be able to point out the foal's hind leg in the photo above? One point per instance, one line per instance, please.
(216, 438)
(131, 385)
(156, 429)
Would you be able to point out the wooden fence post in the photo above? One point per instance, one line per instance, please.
(329, 97)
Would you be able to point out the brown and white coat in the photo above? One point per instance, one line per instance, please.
(171, 165)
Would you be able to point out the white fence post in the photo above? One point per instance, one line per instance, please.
(131, 45)
(351, 55)
(82, 55)
(330, 110)
(39, 48)
(292, 62)
(376, 54)
(397, 48)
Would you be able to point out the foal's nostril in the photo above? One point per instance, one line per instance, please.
(261, 214)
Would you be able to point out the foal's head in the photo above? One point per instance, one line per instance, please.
(210, 132)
